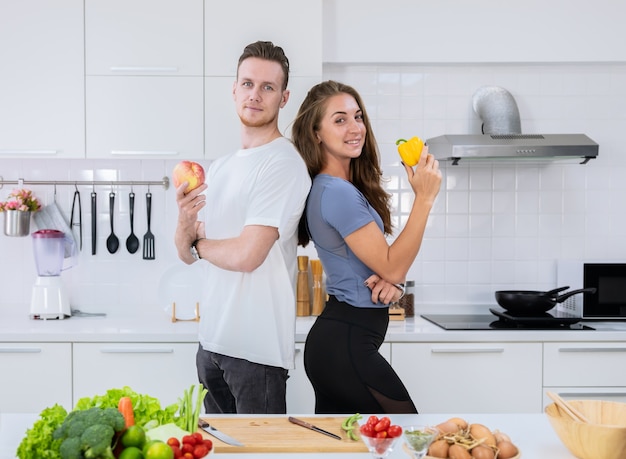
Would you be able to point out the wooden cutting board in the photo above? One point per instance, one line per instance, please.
(278, 435)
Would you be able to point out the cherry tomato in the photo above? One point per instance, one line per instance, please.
(177, 452)
(188, 456)
(173, 441)
(367, 430)
(372, 420)
(381, 434)
(198, 437)
(394, 431)
(383, 424)
(208, 443)
(189, 439)
(200, 451)
(187, 448)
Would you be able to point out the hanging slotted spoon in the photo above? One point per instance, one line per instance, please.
(132, 242)
(113, 242)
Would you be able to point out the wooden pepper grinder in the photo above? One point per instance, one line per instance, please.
(303, 304)
(319, 295)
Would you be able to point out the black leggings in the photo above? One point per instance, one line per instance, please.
(342, 361)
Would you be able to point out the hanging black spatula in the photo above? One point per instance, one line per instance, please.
(148, 238)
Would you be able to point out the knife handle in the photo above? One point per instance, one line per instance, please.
(300, 422)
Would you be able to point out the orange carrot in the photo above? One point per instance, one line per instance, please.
(125, 406)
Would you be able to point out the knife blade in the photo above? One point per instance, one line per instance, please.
(306, 425)
(208, 428)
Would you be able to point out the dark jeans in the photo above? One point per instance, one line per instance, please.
(239, 386)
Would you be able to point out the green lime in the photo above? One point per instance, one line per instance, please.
(134, 436)
(159, 450)
(148, 444)
(132, 452)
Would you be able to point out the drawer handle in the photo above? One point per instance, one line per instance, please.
(468, 351)
(143, 69)
(28, 152)
(144, 152)
(123, 350)
(592, 349)
(20, 350)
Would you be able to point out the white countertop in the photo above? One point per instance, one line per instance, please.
(158, 327)
(532, 433)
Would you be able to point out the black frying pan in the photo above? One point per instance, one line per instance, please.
(527, 302)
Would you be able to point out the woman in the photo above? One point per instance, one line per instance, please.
(347, 216)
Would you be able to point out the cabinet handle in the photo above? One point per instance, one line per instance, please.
(20, 350)
(143, 152)
(144, 69)
(592, 349)
(493, 350)
(130, 350)
(28, 152)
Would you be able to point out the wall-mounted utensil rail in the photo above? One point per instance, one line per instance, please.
(164, 182)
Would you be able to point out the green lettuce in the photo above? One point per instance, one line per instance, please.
(38, 442)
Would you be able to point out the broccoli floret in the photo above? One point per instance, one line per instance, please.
(93, 430)
(70, 448)
(96, 441)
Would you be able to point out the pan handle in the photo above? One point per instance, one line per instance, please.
(565, 296)
(555, 291)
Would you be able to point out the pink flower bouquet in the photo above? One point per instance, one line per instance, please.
(22, 200)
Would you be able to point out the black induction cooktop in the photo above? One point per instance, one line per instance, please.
(499, 319)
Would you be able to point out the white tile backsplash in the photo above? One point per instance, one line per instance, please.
(494, 225)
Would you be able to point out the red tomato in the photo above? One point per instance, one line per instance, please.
(189, 439)
(200, 451)
(372, 420)
(187, 448)
(177, 452)
(383, 424)
(208, 443)
(394, 431)
(367, 430)
(173, 441)
(198, 436)
(188, 456)
(381, 434)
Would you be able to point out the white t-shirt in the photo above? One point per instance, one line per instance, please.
(252, 315)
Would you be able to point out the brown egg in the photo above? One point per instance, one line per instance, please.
(482, 452)
(500, 436)
(458, 452)
(507, 450)
(479, 432)
(462, 423)
(447, 427)
(439, 448)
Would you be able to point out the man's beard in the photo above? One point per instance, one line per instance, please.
(257, 122)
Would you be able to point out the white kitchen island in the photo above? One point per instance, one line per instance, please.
(532, 433)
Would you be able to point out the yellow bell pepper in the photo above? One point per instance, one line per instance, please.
(410, 150)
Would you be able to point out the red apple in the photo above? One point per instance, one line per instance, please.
(188, 171)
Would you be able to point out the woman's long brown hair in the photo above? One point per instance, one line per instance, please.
(365, 171)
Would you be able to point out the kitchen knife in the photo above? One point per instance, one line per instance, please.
(305, 424)
(217, 434)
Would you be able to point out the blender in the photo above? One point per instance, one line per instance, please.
(49, 299)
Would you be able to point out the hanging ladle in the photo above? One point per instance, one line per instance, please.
(113, 242)
(132, 242)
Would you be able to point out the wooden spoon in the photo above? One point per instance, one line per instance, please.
(569, 409)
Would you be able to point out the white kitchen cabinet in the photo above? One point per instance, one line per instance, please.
(294, 26)
(144, 117)
(35, 376)
(42, 79)
(585, 370)
(144, 37)
(162, 370)
(300, 394)
(471, 377)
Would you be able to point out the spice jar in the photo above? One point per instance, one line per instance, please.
(303, 298)
(407, 302)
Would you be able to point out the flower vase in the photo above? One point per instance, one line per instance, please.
(16, 222)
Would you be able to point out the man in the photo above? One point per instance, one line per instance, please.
(254, 199)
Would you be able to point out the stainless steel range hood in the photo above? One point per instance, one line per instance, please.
(512, 146)
(501, 136)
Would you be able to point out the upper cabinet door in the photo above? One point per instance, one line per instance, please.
(144, 37)
(293, 25)
(42, 102)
